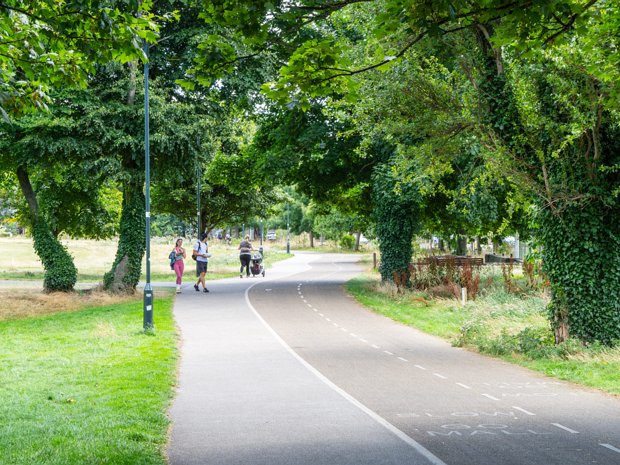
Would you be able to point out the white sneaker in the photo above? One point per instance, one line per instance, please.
(178, 289)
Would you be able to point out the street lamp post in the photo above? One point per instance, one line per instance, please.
(288, 228)
(198, 187)
(260, 248)
(148, 290)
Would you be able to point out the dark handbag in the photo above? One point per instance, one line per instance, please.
(195, 252)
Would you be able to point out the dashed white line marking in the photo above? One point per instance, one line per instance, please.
(387, 352)
(321, 314)
(432, 459)
(524, 411)
(440, 376)
(490, 396)
(572, 431)
(374, 346)
(304, 300)
(463, 385)
(362, 339)
(313, 308)
(353, 334)
(420, 367)
(310, 306)
(343, 329)
(403, 359)
(335, 324)
(610, 447)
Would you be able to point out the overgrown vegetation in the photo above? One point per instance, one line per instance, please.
(445, 278)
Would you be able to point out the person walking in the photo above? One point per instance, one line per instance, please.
(245, 256)
(179, 264)
(201, 253)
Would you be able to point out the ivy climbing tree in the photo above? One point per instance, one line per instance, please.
(396, 209)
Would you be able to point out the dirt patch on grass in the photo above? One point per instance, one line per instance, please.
(24, 303)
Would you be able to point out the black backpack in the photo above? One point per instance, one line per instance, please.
(173, 258)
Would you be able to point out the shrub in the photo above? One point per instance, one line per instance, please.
(347, 242)
(437, 278)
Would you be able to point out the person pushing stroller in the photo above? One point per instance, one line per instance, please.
(245, 256)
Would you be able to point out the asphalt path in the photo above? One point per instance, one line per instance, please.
(290, 370)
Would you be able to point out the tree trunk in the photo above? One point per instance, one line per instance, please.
(357, 241)
(311, 240)
(396, 215)
(461, 245)
(585, 283)
(125, 273)
(60, 271)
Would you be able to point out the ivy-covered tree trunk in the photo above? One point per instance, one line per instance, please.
(582, 260)
(60, 271)
(395, 210)
(125, 273)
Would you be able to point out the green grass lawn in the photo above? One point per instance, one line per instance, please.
(87, 387)
(438, 318)
(513, 327)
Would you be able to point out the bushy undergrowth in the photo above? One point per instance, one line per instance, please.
(445, 279)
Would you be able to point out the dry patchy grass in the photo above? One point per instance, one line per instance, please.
(24, 303)
(94, 258)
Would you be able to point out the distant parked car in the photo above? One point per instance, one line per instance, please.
(271, 235)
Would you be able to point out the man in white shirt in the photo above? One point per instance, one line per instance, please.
(201, 252)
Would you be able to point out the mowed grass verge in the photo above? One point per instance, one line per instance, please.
(87, 386)
(500, 324)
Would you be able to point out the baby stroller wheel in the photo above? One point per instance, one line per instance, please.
(263, 273)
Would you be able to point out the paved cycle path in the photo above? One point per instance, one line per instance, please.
(465, 408)
(290, 370)
(245, 397)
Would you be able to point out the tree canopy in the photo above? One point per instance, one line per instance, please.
(448, 118)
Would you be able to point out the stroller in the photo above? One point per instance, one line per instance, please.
(256, 265)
